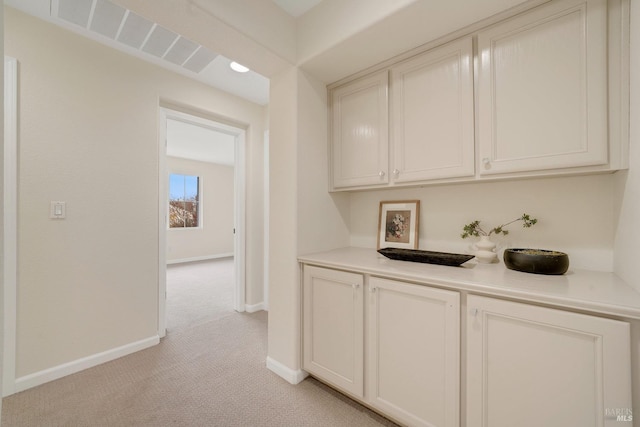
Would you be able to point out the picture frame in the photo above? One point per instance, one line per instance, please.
(398, 224)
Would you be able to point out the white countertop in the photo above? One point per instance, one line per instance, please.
(593, 291)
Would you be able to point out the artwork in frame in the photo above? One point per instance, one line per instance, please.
(398, 224)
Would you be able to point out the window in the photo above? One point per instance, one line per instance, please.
(184, 201)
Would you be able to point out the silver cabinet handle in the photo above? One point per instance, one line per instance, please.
(355, 285)
(381, 174)
(396, 172)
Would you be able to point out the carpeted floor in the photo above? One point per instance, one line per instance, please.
(199, 292)
(209, 371)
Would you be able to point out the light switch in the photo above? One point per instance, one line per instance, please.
(58, 210)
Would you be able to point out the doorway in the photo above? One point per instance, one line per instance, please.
(171, 117)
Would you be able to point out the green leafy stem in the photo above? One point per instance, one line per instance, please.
(474, 229)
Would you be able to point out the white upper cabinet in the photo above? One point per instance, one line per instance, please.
(545, 92)
(542, 100)
(432, 133)
(360, 132)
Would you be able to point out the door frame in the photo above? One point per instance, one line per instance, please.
(10, 224)
(239, 133)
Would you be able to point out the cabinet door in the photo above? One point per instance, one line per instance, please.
(333, 331)
(413, 353)
(535, 366)
(360, 140)
(542, 100)
(432, 114)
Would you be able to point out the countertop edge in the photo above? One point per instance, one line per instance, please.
(363, 261)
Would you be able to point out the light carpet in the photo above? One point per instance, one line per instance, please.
(210, 372)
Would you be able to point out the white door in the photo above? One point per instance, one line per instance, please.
(414, 353)
(532, 366)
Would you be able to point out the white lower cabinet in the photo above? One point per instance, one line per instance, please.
(396, 347)
(333, 334)
(535, 366)
(413, 363)
(413, 336)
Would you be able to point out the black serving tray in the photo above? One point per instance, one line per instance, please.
(428, 257)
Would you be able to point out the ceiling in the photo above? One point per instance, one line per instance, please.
(122, 29)
(296, 8)
(194, 142)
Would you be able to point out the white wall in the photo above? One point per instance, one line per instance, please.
(88, 135)
(323, 218)
(214, 238)
(575, 215)
(303, 216)
(284, 291)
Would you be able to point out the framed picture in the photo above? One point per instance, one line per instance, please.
(398, 224)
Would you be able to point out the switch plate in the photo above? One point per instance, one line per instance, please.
(58, 210)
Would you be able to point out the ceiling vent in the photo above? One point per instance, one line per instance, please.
(123, 26)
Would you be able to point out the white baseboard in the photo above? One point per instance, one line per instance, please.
(199, 258)
(252, 308)
(41, 377)
(289, 375)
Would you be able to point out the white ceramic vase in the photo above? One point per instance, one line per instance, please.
(486, 251)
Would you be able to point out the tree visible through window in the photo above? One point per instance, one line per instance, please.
(184, 201)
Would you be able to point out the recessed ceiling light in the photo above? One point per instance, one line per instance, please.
(237, 67)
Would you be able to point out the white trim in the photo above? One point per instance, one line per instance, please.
(163, 211)
(51, 374)
(289, 375)
(200, 258)
(10, 226)
(239, 220)
(265, 257)
(252, 308)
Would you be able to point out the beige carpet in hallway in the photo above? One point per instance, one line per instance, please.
(211, 373)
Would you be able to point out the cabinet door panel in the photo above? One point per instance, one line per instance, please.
(360, 140)
(534, 366)
(432, 114)
(543, 89)
(413, 342)
(333, 327)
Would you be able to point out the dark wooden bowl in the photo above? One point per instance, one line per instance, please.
(429, 257)
(537, 261)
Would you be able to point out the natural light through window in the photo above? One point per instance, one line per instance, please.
(184, 201)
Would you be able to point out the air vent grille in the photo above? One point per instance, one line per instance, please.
(117, 23)
(181, 51)
(75, 11)
(135, 30)
(107, 18)
(159, 41)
